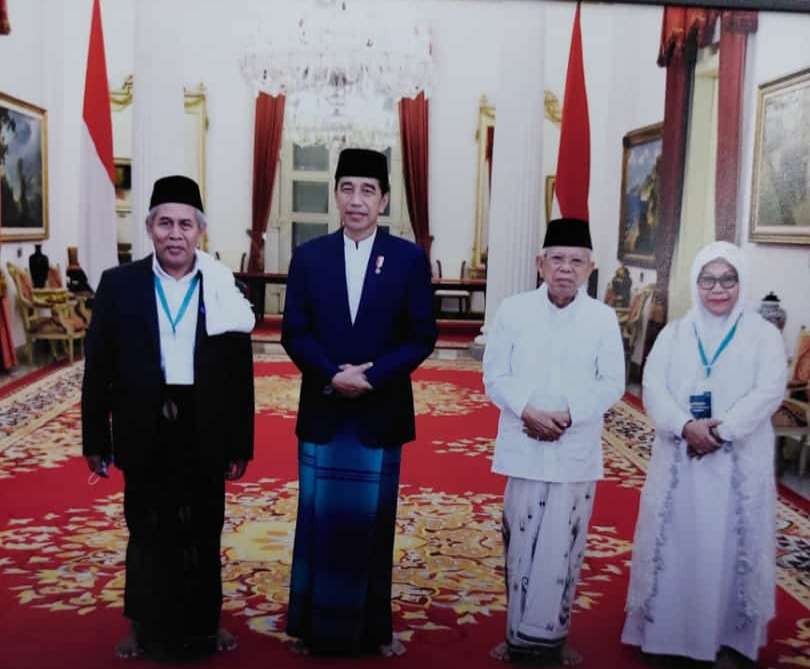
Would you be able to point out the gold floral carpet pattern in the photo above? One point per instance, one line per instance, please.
(65, 556)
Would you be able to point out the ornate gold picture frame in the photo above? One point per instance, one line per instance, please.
(780, 191)
(23, 171)
(638, 212)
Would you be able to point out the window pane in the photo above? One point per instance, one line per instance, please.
(311, 197)
(313, 158)
(303, 232)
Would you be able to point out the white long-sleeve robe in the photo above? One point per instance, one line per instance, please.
(704, 552)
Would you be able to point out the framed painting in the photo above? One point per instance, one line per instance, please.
(551, 185)
(123, 185)
(23, 171)
(638, 212)
(780, 192)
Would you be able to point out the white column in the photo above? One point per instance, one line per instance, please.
(158, 137)
(64, 39)
(516, 201)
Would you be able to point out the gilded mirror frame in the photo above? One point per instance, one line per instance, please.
(486, 120)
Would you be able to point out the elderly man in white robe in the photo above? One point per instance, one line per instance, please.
(554, 364)
(702, 582)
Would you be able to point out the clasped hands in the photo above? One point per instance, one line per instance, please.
(545, 425)
(351, 380)
(701, 437)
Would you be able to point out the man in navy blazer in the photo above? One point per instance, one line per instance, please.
(168, 394)
(358, 319)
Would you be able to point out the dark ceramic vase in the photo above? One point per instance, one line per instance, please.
(771, 310)
(38, 266)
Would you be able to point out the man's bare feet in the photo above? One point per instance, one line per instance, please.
(225, 640)
(567, 656)
(393, 649)
(570, 657)
(129, 647)
(731, 659)
(299, 647)
(501, 652)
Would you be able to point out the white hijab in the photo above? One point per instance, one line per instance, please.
(711, 328)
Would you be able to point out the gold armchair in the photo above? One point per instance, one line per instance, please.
(631, 322)
(47, 314)
(792, 418)
(55, 282)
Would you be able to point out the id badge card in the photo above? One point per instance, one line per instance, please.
(701, 405)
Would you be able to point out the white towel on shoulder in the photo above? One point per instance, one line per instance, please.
(226, 309)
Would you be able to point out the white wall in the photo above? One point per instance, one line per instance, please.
(779, 47)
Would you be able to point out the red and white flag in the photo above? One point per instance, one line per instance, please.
(97, 222)
(574, 158)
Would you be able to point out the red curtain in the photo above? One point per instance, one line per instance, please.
(5, 26)
(684, 29)
(413, 126)
(266, 146)
(683, 32)
(490, 149)
(733, 37)
(8, 357)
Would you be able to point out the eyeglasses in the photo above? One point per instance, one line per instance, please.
(574, 262)
(708, 282)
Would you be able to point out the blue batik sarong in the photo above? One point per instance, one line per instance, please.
(340, 590)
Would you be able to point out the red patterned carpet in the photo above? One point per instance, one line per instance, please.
(62, 540)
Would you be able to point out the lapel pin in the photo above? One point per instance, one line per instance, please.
(380, 261)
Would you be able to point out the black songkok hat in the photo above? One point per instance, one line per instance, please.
(363, 163)
(177, 189)
(568, 232)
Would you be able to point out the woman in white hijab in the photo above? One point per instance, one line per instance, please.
(702, 579)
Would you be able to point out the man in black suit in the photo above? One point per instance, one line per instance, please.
(358, 319)
(168, 394)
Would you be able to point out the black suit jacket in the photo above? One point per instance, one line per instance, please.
(121, 391)
(395, 328)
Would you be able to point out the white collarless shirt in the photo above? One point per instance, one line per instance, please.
(554, 359)
(177, 347)
(356, 255)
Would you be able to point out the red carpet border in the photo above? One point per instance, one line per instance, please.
(62, 541)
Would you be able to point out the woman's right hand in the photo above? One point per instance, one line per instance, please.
(697, 434)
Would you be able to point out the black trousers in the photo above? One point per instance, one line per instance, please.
(175, 510)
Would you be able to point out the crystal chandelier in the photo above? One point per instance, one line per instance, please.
(342, 68)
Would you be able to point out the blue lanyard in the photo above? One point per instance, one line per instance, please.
(707, 365)
(174, 322)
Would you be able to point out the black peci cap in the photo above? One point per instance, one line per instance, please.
(177, 189)
(568, 232)
(363, 163)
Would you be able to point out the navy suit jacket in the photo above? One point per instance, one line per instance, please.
(123, 380)
(395, 329)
